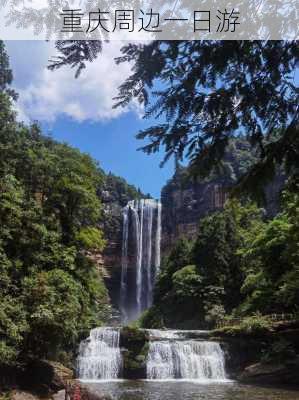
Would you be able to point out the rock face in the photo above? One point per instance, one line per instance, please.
(184, 204)
(186, 201)
(45, 377)
(267, 356)
(134, 344)
(114, 195)
(20, 395)
(267, 374)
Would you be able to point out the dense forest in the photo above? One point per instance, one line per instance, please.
(240, 265)
(51, 217)
(55, 213)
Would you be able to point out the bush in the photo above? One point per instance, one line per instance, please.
(254, 325)
(152, 319)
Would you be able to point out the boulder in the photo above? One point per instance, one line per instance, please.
(77, 389)
(271, 373)
(134, 344)
(62, 374)
(45, 377)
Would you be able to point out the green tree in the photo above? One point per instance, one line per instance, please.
(203, 93)
(271, 258)
(209, 92)
(200, 282)
(50, 214)
(6, 75)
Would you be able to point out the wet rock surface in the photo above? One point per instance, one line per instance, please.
(45, 377)
(134, 344)
(270, 374)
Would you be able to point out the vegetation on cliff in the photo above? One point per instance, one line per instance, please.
(136, 345)
(51, 293)
(239, 265)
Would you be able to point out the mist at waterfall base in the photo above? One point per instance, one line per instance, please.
(100, 356)
(140, 256)
(171, 356)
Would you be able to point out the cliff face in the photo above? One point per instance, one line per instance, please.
(114, 195)
(185, 202)
(183, 208)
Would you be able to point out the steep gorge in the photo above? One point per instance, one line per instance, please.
(184, 202)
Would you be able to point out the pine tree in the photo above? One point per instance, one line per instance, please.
(211, 91)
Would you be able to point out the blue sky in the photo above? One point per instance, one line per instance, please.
(114, 145)
(80, 113)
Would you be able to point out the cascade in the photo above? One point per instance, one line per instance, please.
(169, 358)
(99, 355)
(141, 238)
(173, 354)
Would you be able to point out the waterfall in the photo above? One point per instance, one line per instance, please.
(158, 239)
(141, 238)
(139, 241)
(124, 261)
(185, 359)
(99, 355)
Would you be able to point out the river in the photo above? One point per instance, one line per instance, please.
(179, 390)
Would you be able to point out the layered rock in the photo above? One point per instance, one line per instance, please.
(185, 201)
(114, 195)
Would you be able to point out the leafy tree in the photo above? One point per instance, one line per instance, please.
(203, 93)
(120, 191)
(91, 238)
(271, 261)
(6, 75)
(199, 294)
(210, 91)
(216, 249)
(50, 214)
(179, 257)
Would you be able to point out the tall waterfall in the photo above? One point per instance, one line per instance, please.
(141, 252)
(184, 359)
(99, 355)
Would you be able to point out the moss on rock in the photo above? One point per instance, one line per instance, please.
(135, 346)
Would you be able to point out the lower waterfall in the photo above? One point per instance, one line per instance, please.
(171, 355)
(99, 355)
(186, 359)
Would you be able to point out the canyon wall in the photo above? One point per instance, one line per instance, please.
(184, 203)
(185, 200)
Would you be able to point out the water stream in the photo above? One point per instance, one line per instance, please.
(182, 390)
(189, 365)
(141, 238)
(169, 357)
(100, 356)
(190, 359)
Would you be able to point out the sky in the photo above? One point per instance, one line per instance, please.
(79, 111)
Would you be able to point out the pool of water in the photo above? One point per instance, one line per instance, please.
(186, 390)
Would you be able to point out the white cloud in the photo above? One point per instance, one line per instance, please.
(45, 95)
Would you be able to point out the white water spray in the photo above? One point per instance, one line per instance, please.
(184, 359)
(142, 235)
(99, 355)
